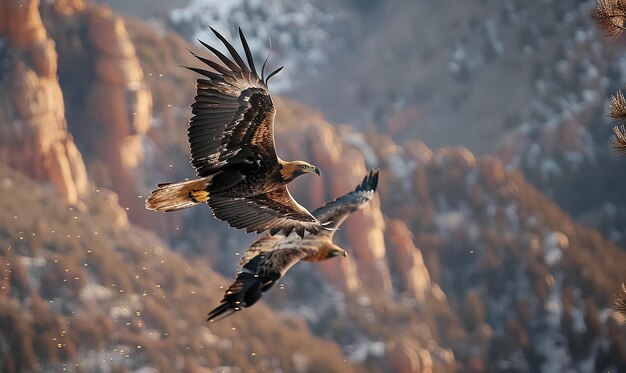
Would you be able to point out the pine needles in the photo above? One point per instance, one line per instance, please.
(610, 15)
(620, 301)
(617, 111)
(619, 139)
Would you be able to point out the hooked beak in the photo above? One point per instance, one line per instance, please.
(335, 253)
(317, 171)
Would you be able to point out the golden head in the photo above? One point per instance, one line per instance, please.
(291, 170)
(336, 251)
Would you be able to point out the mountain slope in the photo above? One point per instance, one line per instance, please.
(86, 289)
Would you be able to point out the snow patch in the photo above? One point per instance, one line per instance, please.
(358, 141)
(554, 244)
(358, 353)
(93, 291)
(298, 29)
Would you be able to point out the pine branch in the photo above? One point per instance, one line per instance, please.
(617, 109)
(610, 15)
(619, 139)
(620, 302)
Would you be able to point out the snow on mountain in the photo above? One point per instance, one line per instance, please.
(297, 30)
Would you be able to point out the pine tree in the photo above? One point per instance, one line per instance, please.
(610, 16)
(620, 301)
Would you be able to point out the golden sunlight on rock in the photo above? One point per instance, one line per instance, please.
(408, 260)
(118, 100)
(342, 273)
(35, 139)
(405, 355)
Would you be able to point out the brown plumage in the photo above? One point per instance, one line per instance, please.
(231, 138)
(270, 257)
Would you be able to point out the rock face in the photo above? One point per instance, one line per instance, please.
(405, 355)
(33, 128)
(117, 101)
(109, 104)
(480, 227)
(127, 291)
(407, 260)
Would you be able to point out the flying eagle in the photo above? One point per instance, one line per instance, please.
(231, 136)
(270, 257)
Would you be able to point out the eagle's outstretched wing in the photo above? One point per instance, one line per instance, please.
(274, 211)
(257, 276)
(233, 113)
(265, 243)
(333, 213)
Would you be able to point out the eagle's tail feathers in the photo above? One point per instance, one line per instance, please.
(221, 312)
(177, 196)
(243, 293)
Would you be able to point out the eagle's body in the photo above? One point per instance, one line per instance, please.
(250, 179)
(231, 138)
(270, 257)
(281, 253)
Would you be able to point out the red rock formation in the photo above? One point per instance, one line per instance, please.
(408, 260)
(68, 6)
(109, 103)
(33, 130)
(118, 101)
(403, 358)
(407, 355)
(492, 173)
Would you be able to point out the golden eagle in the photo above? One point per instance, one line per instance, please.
(231, 136)
(270, 257)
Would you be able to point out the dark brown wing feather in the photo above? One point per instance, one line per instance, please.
(233, 113)
(258, 275)
(245, 291)
(263, 244)
(273, 211)
(333, 213)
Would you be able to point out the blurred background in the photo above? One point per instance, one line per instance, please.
(496, 242)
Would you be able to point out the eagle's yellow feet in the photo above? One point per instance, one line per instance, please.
(199, 196)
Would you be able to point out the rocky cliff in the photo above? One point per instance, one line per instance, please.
(34, 135)
(465, 241)
(77, 291)
(99, 81)
(110, 105)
